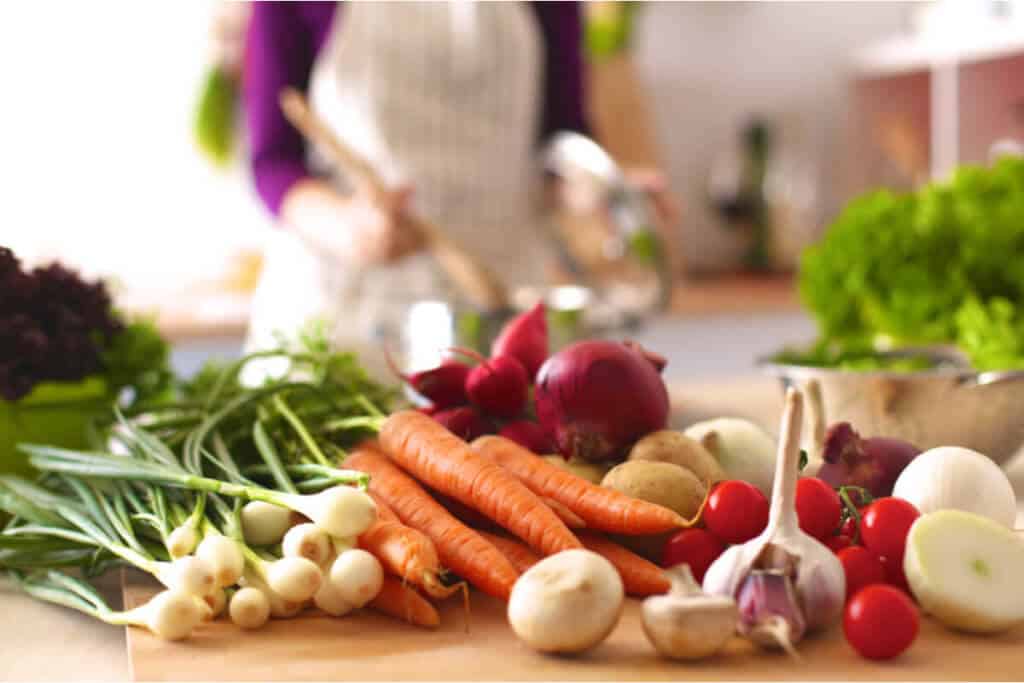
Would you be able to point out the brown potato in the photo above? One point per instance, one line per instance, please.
(677, 448)
(662, 483)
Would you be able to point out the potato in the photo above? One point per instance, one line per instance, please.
(663, 483)
(591, 471)
(679, 449)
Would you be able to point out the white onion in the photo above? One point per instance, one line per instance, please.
(249, 608)
(223, 556)
(339, 510)
(308, 541)
(279, 607)
(265, 523)
(295, 579)
(954, 478)
(170, 614)
(187, 574)
(330, 600)
(182, 541)
(217, 600)
(744, 450)
(358, 576)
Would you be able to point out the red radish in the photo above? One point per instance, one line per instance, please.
(873, 463)
(429, 410)
(529, 435)
(464, 422)
(444, 386)
(498, 387)
(597, 398)
(525, 338)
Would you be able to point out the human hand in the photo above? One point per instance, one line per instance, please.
(380, 230)
(362, 230)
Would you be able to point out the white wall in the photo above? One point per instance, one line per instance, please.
(709, 65)
(98, 163)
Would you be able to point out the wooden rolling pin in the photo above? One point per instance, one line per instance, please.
(477, 282)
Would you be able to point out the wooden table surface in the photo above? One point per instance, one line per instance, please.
(46, 642)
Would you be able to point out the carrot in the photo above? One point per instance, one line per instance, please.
(399, 600)
(570, 518)
(600, 508)
(639, 576)
(517, 552)
(460, 548)
(445, 462)
(403, 551)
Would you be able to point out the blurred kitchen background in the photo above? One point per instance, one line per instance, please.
(766, 116)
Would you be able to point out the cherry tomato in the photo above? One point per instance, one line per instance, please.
(894, 575)
(838, 543)
(884, 527)
(880, 622)
(862, 568)
(696, 547)
(736, 511)
(817, 507)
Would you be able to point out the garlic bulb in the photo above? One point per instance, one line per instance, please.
(815, 572)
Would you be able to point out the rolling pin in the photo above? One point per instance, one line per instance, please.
(477, 282)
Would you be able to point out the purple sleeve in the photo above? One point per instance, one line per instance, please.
(282, 41)
(561, 27)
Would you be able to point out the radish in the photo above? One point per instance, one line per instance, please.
(598, 398)
(444, 386)
(525, 338)
(529, 435)
(499, 386)
(465, 422)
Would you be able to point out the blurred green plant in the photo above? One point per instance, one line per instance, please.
(941, 265)
(608, 28)
(215, 127)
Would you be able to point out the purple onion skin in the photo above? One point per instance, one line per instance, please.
(597, 398)
(873, 464)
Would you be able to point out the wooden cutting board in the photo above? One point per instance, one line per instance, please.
(368, 646)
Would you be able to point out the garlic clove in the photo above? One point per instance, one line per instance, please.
(770, 613)
(685, 623)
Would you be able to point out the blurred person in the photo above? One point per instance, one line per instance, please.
(449, 102)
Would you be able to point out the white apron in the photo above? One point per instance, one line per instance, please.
(444, 96)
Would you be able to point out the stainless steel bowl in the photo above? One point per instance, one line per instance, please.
(929, 408)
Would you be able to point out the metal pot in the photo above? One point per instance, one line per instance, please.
(929, 408)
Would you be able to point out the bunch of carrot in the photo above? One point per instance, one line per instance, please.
(417, 538)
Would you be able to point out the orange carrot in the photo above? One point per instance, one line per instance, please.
(601, 508)
(570, 518)
(517, 552)
(398, 600)
(639, 576)
(445, 462)
(403, 551)
(460, 548)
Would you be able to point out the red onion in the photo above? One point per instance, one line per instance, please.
(597, 398)
(873, 464)
(525, 338)
(529, 435)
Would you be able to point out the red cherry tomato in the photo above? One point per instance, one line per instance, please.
(838, 543)
(696, 547)
(736, 511)
(880, 622)
(862, 568)
(884, 526)
(817, 507)
(894, 575)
